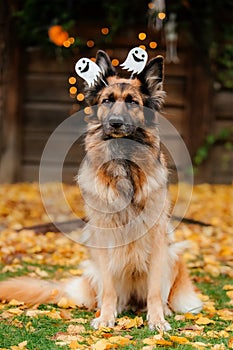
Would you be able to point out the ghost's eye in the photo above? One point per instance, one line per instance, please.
(84, 61)
(143, 55)
(79, 68)
(136, 51)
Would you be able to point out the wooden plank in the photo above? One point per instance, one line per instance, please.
(218, 125)
(30, 172)
(45, 115)
(177, 117)
(10, 146)
(34, 143)
(175, 88)
(47, 87)
(223, 105)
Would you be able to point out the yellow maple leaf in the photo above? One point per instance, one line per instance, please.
(154, 341)
(76, 272)
(74, 345)
(16, 311)
(230, 294)
(103, 344)
(230, 343)
(127, 323)
(204, 320)
(228, 287)
(225, 314)
(119, 340)
(15, 302)
(66, 303)
(75, 329)
(179, 340)
(229, 328)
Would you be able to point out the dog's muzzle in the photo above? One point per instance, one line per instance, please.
(118, 126)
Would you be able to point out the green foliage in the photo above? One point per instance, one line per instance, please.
(208, 23)
(224, 137)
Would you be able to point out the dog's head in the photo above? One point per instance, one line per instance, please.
(120, 102)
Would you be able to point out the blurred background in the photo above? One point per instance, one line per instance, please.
(41, 40)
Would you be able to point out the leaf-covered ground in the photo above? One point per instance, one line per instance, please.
(53, 255)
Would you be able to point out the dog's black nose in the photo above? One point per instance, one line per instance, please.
(116, 121)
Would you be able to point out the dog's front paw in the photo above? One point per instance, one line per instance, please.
(102, 321)
(159, 324)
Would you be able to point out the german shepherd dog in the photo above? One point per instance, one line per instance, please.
(133, 262)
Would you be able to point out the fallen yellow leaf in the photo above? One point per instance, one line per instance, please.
(228, 287)
(230, 343)
(230, 294)
(154, 341)
(15, 311)
(66, 303)
(15, 302)
(119, 340)
(229, 328)
(127, 323)
(225, 314)
(179, 340)
(204, 320)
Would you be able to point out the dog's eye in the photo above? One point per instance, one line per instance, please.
(106, 101)
(133, 104)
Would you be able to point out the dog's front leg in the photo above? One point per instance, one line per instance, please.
(107, 298)
(156, 277)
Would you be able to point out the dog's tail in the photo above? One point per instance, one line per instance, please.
(37, 291)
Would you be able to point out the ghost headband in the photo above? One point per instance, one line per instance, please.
(89, 71)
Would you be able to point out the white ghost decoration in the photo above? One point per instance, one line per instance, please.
(136, 60)
(88, 70)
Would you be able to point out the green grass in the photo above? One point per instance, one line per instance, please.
(16, 329)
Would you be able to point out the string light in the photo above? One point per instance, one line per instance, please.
(153, 44)
(142, 36)
(87, 110)
(80, 97)
(72, 80)
(90, 43)
(93, 59)
(105, 31)
(142, 47)
(151, 5)
(162, 15)
(73, 90)
(71, 40)
(115, 62)
(66, 43)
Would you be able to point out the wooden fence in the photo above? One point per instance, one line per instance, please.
(35, 99)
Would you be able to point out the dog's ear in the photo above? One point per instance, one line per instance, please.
(152, 75)
(104, 62)
(152, 83)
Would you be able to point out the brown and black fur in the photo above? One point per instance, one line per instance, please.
(133, 259)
